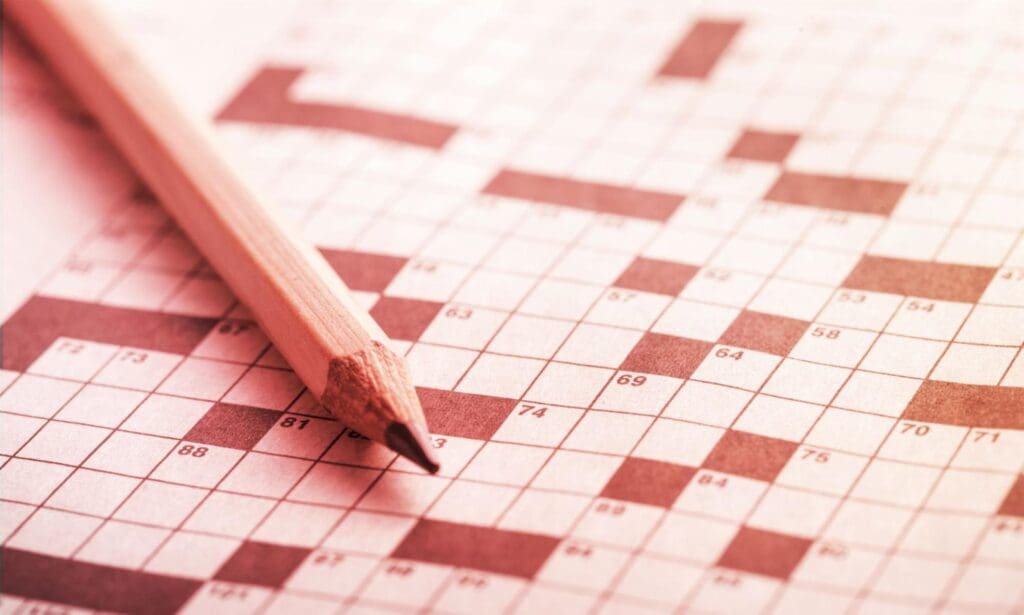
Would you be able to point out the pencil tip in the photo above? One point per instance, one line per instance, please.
(410, 442)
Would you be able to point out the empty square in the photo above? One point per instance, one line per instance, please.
(607, 432)
(530, 336)
(500, 375)
(297, 527)
(854, 432)
(37, 534)
(129, 453)
(588, 265)
(202, 379)
(65, 443)
(101, 406)
(191, 555)
(778, 418)
(702, 538)
(990, 324)
(544, 512)
(472, 503)
(700, 321)
(775, 511)
(970, 491)
(92, 493)
(492, 289)
(333, 485)
(942, 533)
(577, 472)
(228, 514)
(262, 387)
(164, 415)
(877, 393)
(438, 367)
(866, 523)
(568, 385)
(418, 492)
(892, 482)
(31, 482)
(124, 545)
(710, 404)
(16, 430)
(678, 442)
(560, 299)
(368, 532)
(903, 356)
(798, 300)
(804, 381)
(509, 464)
(162, 504)
(973, 364)
(37, 395)
(598, 345)
(265, 475)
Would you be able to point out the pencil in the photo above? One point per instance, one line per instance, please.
(333, 345)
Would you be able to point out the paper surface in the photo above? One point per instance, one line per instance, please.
(711, 309)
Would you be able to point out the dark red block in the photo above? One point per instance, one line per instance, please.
(656, 276)
(666, 355)
(404, 319)
(750, 455)
(232, 426)
(853, 194)
(590, 196)
(763, 146)
(1013, 503)
(467, 546)
(646, 481)
(265, 100)
(699, 51)
(261, 563)
(92, 586)
(41, 320)
(940, 281)
(763, 552)
(967, 405)
(764, 332)
(364, 271)
(464, 415)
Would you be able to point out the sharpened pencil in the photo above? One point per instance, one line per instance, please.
(333, 345)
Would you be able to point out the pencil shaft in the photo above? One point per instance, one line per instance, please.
(299, 301)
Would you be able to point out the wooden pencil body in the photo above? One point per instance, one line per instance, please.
(298, 300)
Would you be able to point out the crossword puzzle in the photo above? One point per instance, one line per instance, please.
(709, 311)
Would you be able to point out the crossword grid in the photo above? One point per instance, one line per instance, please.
(641, 407)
